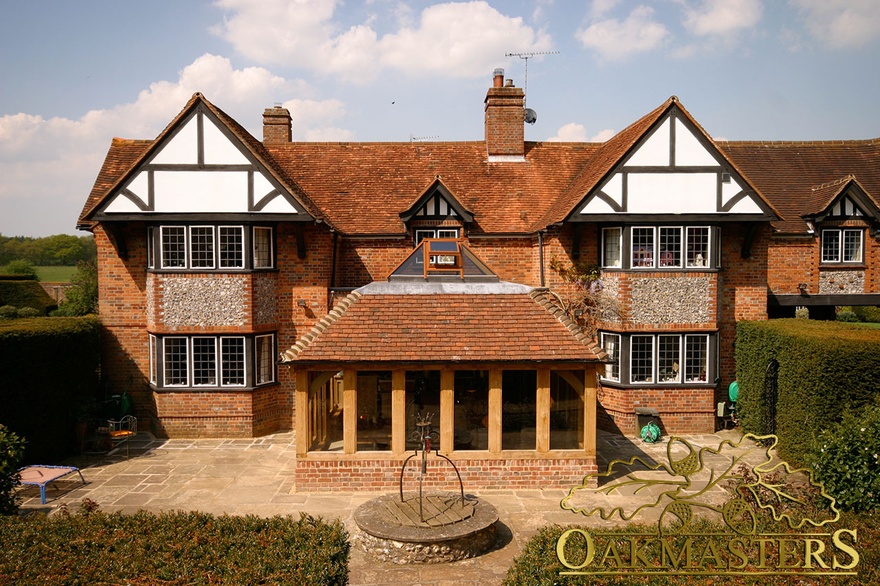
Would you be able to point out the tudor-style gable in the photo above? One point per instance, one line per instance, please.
(200, 168)
(672, 169)
(436, 213)
(843, 199)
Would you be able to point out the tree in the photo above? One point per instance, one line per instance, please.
(82, 297)
(21, 267)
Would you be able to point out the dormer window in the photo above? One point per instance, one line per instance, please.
(841, 245)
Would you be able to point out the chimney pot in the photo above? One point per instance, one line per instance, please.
(498, 80)
(509, 83)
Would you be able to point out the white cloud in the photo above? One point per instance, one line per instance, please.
(66, 154)
(722, 17)
(454, 39)
(614, 39)
(841, 24)
(573, 132)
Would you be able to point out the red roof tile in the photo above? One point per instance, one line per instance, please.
(452, 327)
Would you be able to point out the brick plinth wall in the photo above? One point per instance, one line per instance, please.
(246, 413)
(383, 475)
(681, 410)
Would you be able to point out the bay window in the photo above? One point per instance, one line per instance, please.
(211, 361)
(204, 247)
(657, 358)
(653, 247)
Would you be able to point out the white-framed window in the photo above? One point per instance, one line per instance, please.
(154, 360)
(264, 353)
(204, 247)
(231, 248)
(696, 358)
(611, 345)
(151, 254)
(233, 371)
(841, 245)
(422, 233)
(201, 247)
(263, 253)
(697, 246)
(212, 361)
(652, 247)
(668, 358)
(173, 247)
(611, 247)
(642, 247)
(675, 358)
(175, 358)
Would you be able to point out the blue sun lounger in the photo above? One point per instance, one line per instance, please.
(41, 475)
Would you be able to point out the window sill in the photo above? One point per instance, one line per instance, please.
(850, 266)
(208, 389)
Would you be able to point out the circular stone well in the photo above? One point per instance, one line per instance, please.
(442, 528)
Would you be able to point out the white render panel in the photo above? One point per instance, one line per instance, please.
(746, 206)
(598, 206)
(140, 186)
(671, 193)
(613, 188)
(183, 146)
(200, 191)
(688, 150)
(219, 150)
(122, 205)
(655, 151)
(728, 190)
(278, 205)
(262, 186)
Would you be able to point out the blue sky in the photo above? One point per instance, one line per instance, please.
(76, 73)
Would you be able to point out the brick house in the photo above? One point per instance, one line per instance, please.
(396, 279)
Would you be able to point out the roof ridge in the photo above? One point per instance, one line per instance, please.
(867, 141)
(319, 328)
(544, 297)
(840, 181)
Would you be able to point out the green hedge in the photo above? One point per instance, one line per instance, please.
(49, 369)
(25, 293)
(172, 548)
(825, 368)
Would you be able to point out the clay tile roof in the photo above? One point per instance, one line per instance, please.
(363, 187)
(791, 173)
(123, 154)
(445, 327)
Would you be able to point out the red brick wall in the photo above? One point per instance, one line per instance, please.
(382, 475)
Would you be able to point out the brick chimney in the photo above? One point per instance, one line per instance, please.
(505, 134)
(277, 125)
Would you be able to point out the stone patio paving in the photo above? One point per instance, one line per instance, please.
(257, 476)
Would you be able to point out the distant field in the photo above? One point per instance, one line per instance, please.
(55, 274)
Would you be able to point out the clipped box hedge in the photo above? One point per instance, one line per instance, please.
(49, 368)
(172, 548)
(825, 369)
(19, 292)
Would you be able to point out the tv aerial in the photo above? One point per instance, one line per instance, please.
(530, 116)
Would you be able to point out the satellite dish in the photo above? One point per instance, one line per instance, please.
(530, 116)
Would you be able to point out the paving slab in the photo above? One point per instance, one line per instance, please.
(257, 477)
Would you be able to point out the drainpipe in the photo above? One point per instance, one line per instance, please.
(332, 270)
(541, 254)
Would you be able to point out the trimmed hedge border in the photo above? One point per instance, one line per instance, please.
(825, 369)
(50, 370)
(172, 548)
